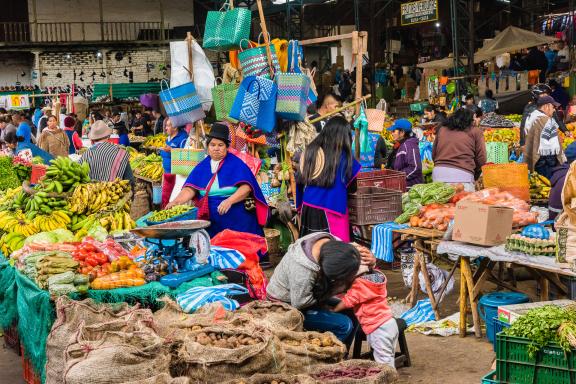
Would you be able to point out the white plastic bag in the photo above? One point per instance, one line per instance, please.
(204, 78)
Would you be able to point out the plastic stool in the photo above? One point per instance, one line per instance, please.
(402, 358)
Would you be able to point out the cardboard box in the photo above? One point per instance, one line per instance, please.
(482, 224)
(510, 313)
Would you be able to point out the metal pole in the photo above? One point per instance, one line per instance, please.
(288, 21)
(357, 15)
(455, 51)
(471, 37)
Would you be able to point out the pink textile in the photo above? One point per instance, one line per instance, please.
(339, 225)
(168, 182)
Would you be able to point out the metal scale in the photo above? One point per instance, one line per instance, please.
(184, 245)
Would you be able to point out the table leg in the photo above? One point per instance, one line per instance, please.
(544, 289)
(415, 281)
(463, 302)
(467, 275)
(428, 285)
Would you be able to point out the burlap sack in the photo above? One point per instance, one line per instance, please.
(565, 240)
(384, 374)
(569, 194)
(305, 349)
(261, 378)
(172, 323)
(70, 314)
(140, 205)
(274, 315)
(211, 364)
(163, 378)
(117, 351)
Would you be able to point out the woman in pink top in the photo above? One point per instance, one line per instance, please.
(368, 298)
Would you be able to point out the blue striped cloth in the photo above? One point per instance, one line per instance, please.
(382, 246)
(197, 297)
(421, 313)
(225, 258)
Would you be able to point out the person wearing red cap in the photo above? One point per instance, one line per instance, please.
(73, 137)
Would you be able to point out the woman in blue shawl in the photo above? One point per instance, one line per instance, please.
(19, 145)
(229, 183)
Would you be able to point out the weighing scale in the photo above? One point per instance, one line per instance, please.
(185, 246)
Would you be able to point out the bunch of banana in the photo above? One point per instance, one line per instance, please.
(169, 213)
(156, 141)
(539, 186)
(94, 197)
(57, 219)
(17, 222)
(152, 171)
(136, 160)
(117, 221)
(7, 198)
(10, 242)
(41, 203)
(64, 175)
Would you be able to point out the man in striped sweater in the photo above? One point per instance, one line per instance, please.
(107, 161)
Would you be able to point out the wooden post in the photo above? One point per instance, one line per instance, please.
(189, 40)
(463, 302)
(266, 37)
(466, 273)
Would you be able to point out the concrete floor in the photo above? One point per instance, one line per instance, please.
(435, 360)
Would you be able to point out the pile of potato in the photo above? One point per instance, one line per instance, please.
(262, 312)
(324, 341)
(220, 340)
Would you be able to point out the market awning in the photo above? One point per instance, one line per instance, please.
(445, 63)
(125, 90)
(509, 40)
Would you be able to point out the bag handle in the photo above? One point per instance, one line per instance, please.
(249, 45)
(259, 86)
(216, 81)
(162, 85)
(293, 44)
(227, 6)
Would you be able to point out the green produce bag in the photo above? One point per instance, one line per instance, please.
(223, 96)
(225, 29)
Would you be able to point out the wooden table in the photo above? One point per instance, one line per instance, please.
(424, 243)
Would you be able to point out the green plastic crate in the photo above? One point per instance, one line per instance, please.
(549, 366)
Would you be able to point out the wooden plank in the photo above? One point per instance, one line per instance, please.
(327, 39)
(420, 232)
(479, 281)
(467, 274)
(463, 302)
(428, 285)
(415, 281)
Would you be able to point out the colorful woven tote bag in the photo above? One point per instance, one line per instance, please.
(223, 96)
(183, 160)
(182, 104)
(293, 89)
(254, 61)
(225, 29)
(255, 103)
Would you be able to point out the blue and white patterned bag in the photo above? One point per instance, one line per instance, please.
(182, 104)
(255, 103)
(197, 297)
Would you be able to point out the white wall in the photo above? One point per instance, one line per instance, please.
(12, 67)
(176, 12)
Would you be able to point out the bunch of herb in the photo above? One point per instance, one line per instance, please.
(541, 327)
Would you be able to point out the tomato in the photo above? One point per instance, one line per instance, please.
(92, 261)
(102, 258)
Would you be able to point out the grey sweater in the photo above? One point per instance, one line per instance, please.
(295, 276)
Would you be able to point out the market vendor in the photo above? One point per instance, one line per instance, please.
(433, 115)
(229, 184)
(405, 155)
(316, 268)
(459, 150)
(327, 169)
(120, 129)
(26, 150)
(543, 151)
(53, 139)
(557, 182)
(107, 161)
(177, 138)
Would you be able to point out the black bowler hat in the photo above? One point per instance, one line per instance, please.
(219, 131)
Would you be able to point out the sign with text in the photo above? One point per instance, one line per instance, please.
(421, 11)
(14, 102)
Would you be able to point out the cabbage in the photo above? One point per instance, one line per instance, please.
(98, 232)
(42, 237)
(63, 235)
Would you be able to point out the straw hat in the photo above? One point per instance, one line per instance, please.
(99, 130)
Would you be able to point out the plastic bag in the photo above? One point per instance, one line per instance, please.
(537, 231)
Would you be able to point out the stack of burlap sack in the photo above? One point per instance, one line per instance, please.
(566, 222)
(261, 343)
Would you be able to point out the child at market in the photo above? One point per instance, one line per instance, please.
(368, 298)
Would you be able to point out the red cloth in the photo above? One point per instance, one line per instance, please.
(76, 140)
(168, 183)
(370, 303)
(250, 246)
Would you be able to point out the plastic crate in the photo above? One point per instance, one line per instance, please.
(382, 178)
(372, 205)
(11, 338)
(490, 378)
(497, 327)
(549, 366)
(30, 377)
(190, 215)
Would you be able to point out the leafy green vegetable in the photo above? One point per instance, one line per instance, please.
(8, 176)
(541, 326)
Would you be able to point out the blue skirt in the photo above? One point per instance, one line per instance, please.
(236, 219)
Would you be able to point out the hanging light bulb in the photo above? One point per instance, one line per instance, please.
(81, 73)
(93, 74)
(102, 74)
(125, 72)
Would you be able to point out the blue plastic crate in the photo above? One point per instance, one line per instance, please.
(190, 215)
(490, 378)
(497, 327)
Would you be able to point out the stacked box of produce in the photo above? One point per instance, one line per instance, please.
(494, 120)
(510, 136)
(150, 167)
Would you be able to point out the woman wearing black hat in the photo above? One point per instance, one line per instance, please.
(228, 183)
